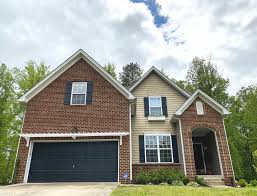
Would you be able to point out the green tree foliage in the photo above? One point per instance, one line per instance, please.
(241, 127)
(29, 76)
(202, 74)
(14, 83)
(110, 68)
(130, 74)
(9, 124)
(255, 160)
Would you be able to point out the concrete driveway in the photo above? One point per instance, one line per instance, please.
(56, 189)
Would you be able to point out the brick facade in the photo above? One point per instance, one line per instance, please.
(211, 120)
(46, 113)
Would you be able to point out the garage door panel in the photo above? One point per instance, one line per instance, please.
(74, 162)
(47, 165)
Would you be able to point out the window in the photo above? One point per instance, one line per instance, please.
(199, 108)
(78, 93)
(158, 149)
(155, 106)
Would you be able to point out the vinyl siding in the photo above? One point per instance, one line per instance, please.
(153, 85)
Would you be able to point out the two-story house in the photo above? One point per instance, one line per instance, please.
(81, 125)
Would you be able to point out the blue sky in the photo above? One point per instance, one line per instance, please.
(154, 7)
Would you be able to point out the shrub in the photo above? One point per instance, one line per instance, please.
(200, 181)
(142, 178)
(177, 183)
(193, 184)
(249, 185)
(164, 183)
(242, 183)
(254, 183)
(159, 176)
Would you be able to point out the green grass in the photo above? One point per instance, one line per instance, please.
(156, 190)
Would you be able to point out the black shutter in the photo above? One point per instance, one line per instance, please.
(164, 106)
(146, 106)
(67, 95)
(89, 92)
(175, 148)
(142, 149)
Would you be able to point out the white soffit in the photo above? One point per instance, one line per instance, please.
(198, 93)
(165, 78)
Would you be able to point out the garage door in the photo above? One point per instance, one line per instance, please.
(74, 162)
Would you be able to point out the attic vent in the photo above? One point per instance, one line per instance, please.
(199, 108)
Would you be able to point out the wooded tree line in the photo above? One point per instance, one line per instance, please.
(241, 125)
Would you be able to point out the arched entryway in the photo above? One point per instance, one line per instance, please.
(206, 152)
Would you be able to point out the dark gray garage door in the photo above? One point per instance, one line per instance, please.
(74, 162)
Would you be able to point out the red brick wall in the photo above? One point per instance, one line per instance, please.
(136, 168)
(46, 112)
(109, 111)
(212, 120)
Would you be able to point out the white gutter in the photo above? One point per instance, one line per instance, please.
(228, 149)
(182, 144)
(15, 162)
(130, 144)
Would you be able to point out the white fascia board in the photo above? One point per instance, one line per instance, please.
(165, 78)
(66, 65)
(50, 135)
(198, 93)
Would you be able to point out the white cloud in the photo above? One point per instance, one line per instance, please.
(122, 32)
(225, 29)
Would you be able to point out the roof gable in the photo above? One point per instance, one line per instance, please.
(66, 65)
(198, 93)
(163, 77)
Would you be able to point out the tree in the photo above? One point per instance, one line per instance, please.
(110, 68)
(9, 124)
(203, 75)
(130, 74)
(30, 75)
(11, 112)
(185, 85)
(241, 127)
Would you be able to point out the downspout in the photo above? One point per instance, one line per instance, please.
(130, 144)
(182, 144)
(228, 148)
(15, 162)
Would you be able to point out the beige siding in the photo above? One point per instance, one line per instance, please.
(153, 85)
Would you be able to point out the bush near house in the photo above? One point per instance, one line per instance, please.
(253, 183)
(242, 183)
(160, 176)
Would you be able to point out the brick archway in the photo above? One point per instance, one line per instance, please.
(210, 120)
(206, 151)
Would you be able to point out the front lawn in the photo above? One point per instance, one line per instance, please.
(156, 190)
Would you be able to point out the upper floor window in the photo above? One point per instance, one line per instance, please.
(78, 93)
(155, 106)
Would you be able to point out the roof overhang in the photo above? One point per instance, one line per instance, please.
(198, 93)
(165, 78)
(66, 65)
(28, 136)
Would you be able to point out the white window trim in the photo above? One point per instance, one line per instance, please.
(154, 106)
(78, 93)
(158, 148)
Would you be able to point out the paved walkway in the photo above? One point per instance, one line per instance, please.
(58, 189)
